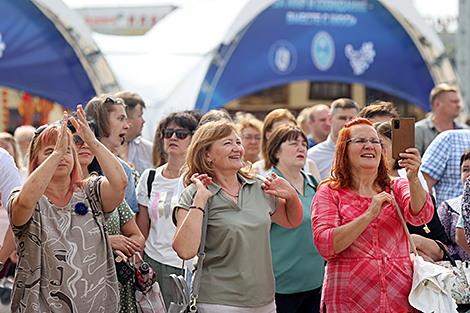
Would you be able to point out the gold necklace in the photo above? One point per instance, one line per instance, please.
(231, 195)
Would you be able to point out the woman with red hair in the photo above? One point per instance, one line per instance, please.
(356, 227)
(65, 261)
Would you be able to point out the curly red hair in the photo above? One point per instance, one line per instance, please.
(340, 174)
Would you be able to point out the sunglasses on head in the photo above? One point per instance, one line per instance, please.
(180, 133)
(40, 129)
(110, 99)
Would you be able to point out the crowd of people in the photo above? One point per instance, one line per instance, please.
(301, 214)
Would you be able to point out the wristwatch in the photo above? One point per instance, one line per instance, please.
(1, 266)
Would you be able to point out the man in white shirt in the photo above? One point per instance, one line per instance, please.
(135, 149)
(9, 179)
(342, 111)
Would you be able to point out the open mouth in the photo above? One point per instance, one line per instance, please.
(122, 138)
(368, 155)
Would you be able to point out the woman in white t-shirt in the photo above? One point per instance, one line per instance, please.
(157, 193)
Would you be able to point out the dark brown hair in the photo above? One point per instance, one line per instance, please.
(280, 135)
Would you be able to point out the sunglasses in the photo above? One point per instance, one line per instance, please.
(180, 133)
(40, 129)
(110, 99)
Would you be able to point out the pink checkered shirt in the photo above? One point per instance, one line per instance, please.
(374, 274)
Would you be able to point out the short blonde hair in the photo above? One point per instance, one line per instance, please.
(245, 120)
(201, 143)
(304, 117)
(439, 90)
(7, 137)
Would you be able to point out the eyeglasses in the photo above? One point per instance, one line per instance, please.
(78, 141)
(180, 133)
(363, 141)
(250, 137)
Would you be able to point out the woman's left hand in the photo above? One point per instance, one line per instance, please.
(82, 127)
(278, 186)
(411, 161)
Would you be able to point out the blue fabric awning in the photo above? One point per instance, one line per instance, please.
(35, 57)
(328, 41)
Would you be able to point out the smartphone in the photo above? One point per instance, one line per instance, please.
(403, 135)
(124, 270)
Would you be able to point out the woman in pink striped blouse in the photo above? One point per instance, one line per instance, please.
(357, 229)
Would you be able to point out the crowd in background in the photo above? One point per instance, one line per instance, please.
(301, 214)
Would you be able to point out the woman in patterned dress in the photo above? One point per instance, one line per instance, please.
(124, 235)
(65, 261)
(356, 227)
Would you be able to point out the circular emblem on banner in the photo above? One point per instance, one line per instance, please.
(323, 51)
(282, 57)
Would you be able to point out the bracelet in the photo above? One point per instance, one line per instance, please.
(197, 207)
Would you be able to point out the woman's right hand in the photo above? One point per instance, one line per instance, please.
(82, 127)
(379, 201)
(202, 181)
(62, 143)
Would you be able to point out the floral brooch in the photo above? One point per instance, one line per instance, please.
(81, 208)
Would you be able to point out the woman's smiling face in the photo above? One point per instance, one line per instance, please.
(364, 155)
(226, 153)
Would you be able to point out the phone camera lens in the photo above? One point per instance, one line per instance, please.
(396, 124)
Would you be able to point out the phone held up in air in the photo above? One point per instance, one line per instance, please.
(403, 135)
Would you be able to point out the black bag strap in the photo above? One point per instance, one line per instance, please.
(200, 260)
(150, 180)
(446, 253)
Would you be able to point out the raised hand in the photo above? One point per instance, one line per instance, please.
(62, 143)
(82, 127)
(278, 186)
(411, 161)
(202, 181)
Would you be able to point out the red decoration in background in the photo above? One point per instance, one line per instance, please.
(26, 108)
(44, 107)
(6, 112)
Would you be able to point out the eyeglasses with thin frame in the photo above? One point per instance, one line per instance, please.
(363, 141)
(250, 137)
(180, 133)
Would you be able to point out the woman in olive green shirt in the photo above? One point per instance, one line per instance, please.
(237, 272)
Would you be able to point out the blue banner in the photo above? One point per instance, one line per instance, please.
(34, 56)
(346, 41)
